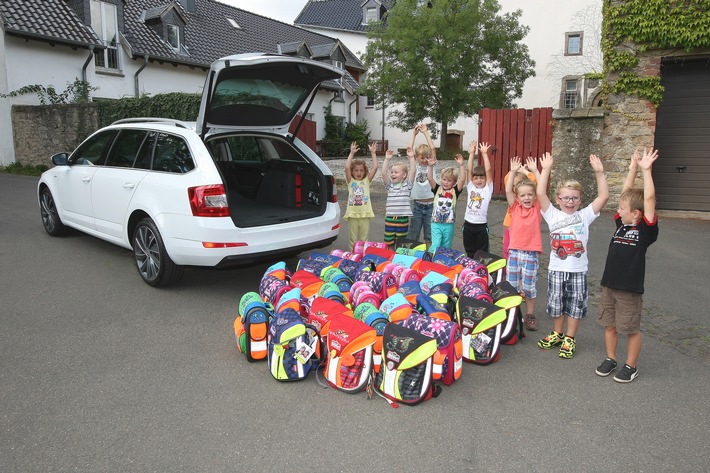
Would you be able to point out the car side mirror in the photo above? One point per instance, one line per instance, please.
(60, 159)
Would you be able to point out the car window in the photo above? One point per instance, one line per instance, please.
(145, 153)
(241, 149)
(252, 149)
(93, 150)
(125, 148)
(172, 155)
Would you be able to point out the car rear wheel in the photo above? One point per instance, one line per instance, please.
(153, 263)
(50, 217)
(561, 253)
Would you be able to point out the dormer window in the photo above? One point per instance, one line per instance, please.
(371, 15)
(338, 64)
(173, 32)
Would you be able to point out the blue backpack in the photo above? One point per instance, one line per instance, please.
(292, 346)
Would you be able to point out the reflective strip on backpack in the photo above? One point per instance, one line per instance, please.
(468, 351)
(389, 383)
(258, 346)
(332, 374)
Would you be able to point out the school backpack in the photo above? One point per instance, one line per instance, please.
(348, 362)
(504, 295)
(480, 323)
(406, 373)
(494, 263)
(251, 327)
(292, 346)
(448, 362)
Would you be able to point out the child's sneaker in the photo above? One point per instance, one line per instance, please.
(567, 348)
(552, 340)
(531, 322)
(626, 374)
(607, 366)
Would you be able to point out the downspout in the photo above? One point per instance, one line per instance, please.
(86, 64)
(350, 109)
(135, 76)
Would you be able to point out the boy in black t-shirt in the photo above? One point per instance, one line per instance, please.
(622, 282)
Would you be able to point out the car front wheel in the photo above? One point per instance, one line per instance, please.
(50, 217)
(153, 263)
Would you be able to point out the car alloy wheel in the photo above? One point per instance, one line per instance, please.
(153, 263)
(50, 217)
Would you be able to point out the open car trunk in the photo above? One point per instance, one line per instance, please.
(267, 180)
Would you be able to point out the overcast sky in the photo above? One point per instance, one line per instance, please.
(282, 10)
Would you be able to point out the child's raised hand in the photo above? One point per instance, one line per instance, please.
(390, 153)
(354, 148)
(410, 151)
(649, 156)
(431, 160)
(423, 128)
(372, 147)
(472, 146)
(546, 161)
(596, 163)
(515, 164)
(459, 159)
(530, 163)
(485, 147)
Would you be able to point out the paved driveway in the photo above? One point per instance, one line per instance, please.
(100, 372)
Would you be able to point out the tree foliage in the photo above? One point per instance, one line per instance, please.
(444, 58)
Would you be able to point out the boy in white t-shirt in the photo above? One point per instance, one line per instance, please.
(567, 289)
(479, 186)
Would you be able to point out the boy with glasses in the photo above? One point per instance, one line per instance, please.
(567, 289)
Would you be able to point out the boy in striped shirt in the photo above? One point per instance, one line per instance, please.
(398, 179)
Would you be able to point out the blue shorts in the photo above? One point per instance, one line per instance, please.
(567, 293)
(522, 269)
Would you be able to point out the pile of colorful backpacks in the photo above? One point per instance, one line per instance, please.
(395, 323)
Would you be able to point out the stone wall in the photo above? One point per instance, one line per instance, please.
(39, 131)
(629, 124)
(577, 133)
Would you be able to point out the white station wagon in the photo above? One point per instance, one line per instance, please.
(231, 189)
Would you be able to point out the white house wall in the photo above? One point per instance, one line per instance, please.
(60, 65)
(548, 20)
(7, 150)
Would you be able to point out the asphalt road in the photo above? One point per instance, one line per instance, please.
(100, 372)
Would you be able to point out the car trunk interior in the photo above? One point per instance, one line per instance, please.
(267, 180)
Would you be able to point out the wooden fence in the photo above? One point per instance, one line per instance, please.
(514, 132)
(307, 132)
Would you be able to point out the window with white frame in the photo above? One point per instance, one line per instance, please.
(104, 21)
(573, 43)
(571, 95)
(371, 15)
(174, 37)
(370, 100)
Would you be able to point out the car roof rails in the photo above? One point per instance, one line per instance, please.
(172, 121)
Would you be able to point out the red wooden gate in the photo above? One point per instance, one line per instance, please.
(307, 132)
(514, 132)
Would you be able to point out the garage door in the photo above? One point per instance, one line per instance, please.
(682, 173)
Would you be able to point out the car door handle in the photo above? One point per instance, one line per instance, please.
(128, 185)
(86, 179)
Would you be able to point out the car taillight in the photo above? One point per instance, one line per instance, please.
(334, 193)
(208, 201)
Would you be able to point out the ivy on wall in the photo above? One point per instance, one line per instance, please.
(631, 27)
